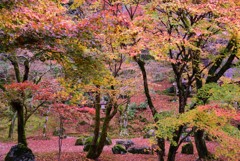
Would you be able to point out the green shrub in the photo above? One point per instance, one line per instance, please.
(171, 79)
(132, 105)
(143, 105)
(131, 113)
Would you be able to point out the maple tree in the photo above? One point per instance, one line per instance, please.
(186, 30)
(27, 37)
(26, 98)
(91, 39)
(179, 32)
(104, 56)
(215, 120)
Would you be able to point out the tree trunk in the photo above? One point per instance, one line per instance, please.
(141, 65)
(60, 137)
(174, 147)
(214, 74)
(201, 144)
(160, 141)
(182, 103)
(11, 127)
(93, 148)
(161, 151)
(17, 105)
(45, 123)
(103, 136)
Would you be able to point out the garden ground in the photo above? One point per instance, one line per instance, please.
(47, 150)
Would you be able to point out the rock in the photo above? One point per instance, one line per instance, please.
(126, 143)
(80, 141)
(83, 123)
(89, 139)
(108, 139)
(87, 143)
(150, 133)
(119, 149)
(140, 150)
(20, 153)
(187, 148)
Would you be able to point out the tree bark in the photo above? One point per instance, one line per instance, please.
(103, 137)
(45, 123)
(201, 144)
(160, 141)
(99, 145)
(17, 105)
(93, 148)
(174, 147)
(13, 60)
(11, 127)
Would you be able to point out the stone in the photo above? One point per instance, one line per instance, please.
(82, 122)
(187, 148)
(150, 133)
(140, 150)
(126, 143)
(20, 152)
(119, 149)
(80, 141)
(89, 139)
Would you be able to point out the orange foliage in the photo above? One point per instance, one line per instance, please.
(222, 112)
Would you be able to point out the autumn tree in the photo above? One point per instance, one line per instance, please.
(20, 94)
(214, 119)
(96, 65)
(179, 34)
(186, 30)
(28, 36)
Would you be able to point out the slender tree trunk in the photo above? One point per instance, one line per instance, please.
(60, 137)
(160, 141)
(11, 127)
(45, 123)
(93, 148)
(17, 105)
